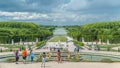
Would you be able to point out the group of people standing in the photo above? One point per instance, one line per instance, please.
(32, 55)
(44, 58)
(24, 56)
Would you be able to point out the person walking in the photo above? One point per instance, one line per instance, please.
(32, 55)
(24, 55)
(59, 56)
(43, 60)
(16, 56)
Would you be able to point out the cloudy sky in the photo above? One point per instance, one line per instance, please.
(60, 12)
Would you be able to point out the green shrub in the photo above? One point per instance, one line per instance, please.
(40, 43)
(10, 60)
(106, 60)
(10, 49)
(79, 44)
(74, 60)
(38, 60)
(1, 50)
(86, 60)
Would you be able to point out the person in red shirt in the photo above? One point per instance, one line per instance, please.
(24, 55)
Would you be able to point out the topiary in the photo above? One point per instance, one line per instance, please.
(10, 60)
(106, 60)
(74, 59)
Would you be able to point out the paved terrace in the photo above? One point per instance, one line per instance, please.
(61, 65)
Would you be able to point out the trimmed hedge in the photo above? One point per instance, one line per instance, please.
(106, 60)
(78, 43)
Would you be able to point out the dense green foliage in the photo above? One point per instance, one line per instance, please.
(96, 31)
(58, 39)
(39, 44)
(10, 60)
(78, 43)
(18, 25)
(22, 30)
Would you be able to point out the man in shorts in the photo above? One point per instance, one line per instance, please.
(24, 55)
(43, 60)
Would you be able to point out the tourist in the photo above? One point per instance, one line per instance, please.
(50, 49)
(24, 55)
(59, 56)
(77, 49)
(32, 55)
(54, 48)
(16, 56)
(43, 60)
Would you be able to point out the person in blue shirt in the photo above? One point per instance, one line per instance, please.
(32, 55)
(75, 50)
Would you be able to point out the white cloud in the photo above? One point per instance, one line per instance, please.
(2, 13)
(16, 18)
(69, 17)
(23, 15)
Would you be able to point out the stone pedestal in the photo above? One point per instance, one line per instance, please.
(108, 42)
(36, 40)
(93, 47)
(12, 42)
(20, 41)
(83, 40)
(100, 41)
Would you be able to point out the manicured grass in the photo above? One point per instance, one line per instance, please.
(107, 47)
(58, 38)
(111, 46)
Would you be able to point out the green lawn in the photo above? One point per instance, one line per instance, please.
(58, 38)
(107, 47)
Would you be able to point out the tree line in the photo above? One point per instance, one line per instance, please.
(23, 30)
(95, 31)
